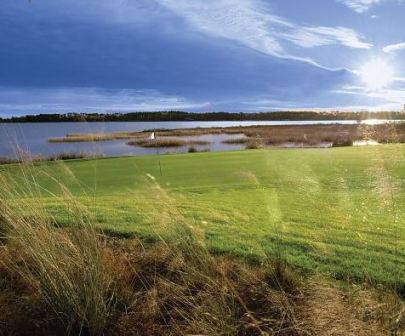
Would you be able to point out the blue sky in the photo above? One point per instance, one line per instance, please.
(201, 55)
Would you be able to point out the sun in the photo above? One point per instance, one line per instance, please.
(376, 74)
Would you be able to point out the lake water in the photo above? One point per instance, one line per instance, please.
(33, 137)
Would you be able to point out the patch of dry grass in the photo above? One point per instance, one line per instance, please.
(91, 137)
(147, 143)
(330, 311)
(179, 289)
(64, 265)
(236, 141)
(166, 143)
(25, 158)
(190, 132)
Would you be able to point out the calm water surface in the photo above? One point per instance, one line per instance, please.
(32, 137)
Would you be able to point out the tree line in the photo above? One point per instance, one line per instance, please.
(208, 116)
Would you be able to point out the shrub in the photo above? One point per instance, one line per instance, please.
(254, 144)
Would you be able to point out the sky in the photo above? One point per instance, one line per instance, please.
(201, 55)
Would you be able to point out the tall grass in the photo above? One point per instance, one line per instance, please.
(166, 143)
(92, 285)
(90, 137)
(66, 264)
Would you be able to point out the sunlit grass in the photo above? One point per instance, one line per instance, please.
(335, 211)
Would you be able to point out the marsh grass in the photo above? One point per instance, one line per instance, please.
(236, 141)
(93, 137)
(27, 158)
(305, 135)
(158, 143)
(166, 143)
(254, 144)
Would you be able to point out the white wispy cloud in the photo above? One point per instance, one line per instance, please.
(28, 100)
(393, 48)
(241, 21)
(319, 36)
(252, 23)
(360, 6)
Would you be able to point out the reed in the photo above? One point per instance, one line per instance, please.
(305, 135)
(65, 264)
(236, 141)
(165, 143)
(94, 137)
(26, 158)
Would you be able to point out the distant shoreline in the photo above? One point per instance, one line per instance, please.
(208, 116)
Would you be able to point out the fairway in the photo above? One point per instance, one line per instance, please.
(337, 211)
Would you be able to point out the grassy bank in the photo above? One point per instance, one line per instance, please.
(336, 211)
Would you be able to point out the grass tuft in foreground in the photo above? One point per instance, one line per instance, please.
(64, 265)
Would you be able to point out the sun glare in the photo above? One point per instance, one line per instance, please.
(376, 74)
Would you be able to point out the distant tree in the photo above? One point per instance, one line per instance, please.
(209, 116)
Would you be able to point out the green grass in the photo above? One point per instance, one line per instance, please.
(338, 211)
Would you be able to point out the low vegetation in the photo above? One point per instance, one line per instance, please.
(236, 141)
(166, 142)
(90, 137)
(257, 136)
(254, 144)
(54, 157)
(336, 135)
